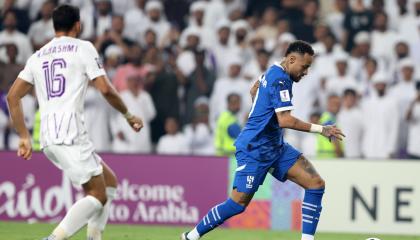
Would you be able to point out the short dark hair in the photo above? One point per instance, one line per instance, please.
(350, 91)
(300, 47)
(64, 17)
(232, 95)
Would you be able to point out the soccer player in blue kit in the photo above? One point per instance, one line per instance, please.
(260, 148)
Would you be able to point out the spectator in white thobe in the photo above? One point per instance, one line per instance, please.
(234, 83)
(343, 80)
(173, 142)
(382, 38)
(132, 18)
(97, 118)
(42, 31)
(199, 134)
(413, 118)
(380, 121)
(257, 66)
(141, 104)
(155, 20)
(309, 141)
(350, 120)
(403, 94)
(29, 108)
(11, 35)
(120, 7)
(408, 24)
(222, 49)
(197, 13)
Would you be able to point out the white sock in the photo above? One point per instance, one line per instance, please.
(96, 224)
(193, 235)
(307, 237)
(76, 218)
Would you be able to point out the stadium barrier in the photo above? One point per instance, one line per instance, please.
(361, 196)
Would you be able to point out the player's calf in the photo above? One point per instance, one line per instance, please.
(219, 214)
(97, 223)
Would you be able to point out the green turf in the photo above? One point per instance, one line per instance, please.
(23, 231)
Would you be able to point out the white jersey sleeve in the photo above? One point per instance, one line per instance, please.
(26, 73)
(92, 61)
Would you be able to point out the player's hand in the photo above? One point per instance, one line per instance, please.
(25, 148)
(136, 123)
(331, 132)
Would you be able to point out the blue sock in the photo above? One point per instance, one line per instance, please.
(311, 210)
(217, 215)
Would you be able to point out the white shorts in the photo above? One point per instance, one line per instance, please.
(78, 162)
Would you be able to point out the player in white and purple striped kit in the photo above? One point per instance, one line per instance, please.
(60, 73)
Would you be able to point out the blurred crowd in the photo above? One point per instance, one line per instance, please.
(186, 68)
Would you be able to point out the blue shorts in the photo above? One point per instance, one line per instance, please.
(253, 165)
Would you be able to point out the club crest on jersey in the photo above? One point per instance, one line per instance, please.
(249, 181)
(284, 96)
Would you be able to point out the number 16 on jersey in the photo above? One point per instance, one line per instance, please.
(55, 82)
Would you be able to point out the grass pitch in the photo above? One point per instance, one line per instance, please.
(24, 231)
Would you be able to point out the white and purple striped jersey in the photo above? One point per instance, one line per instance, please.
(60, 72)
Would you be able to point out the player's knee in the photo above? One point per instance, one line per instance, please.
(101, 196)
(316, 183)
(319, 183)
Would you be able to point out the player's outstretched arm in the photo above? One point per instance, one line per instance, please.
(111, 95)
(286, 120)
(18, 90)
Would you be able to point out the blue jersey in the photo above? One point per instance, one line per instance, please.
(274, 95)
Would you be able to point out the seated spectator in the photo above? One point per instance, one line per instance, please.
(173, 142)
